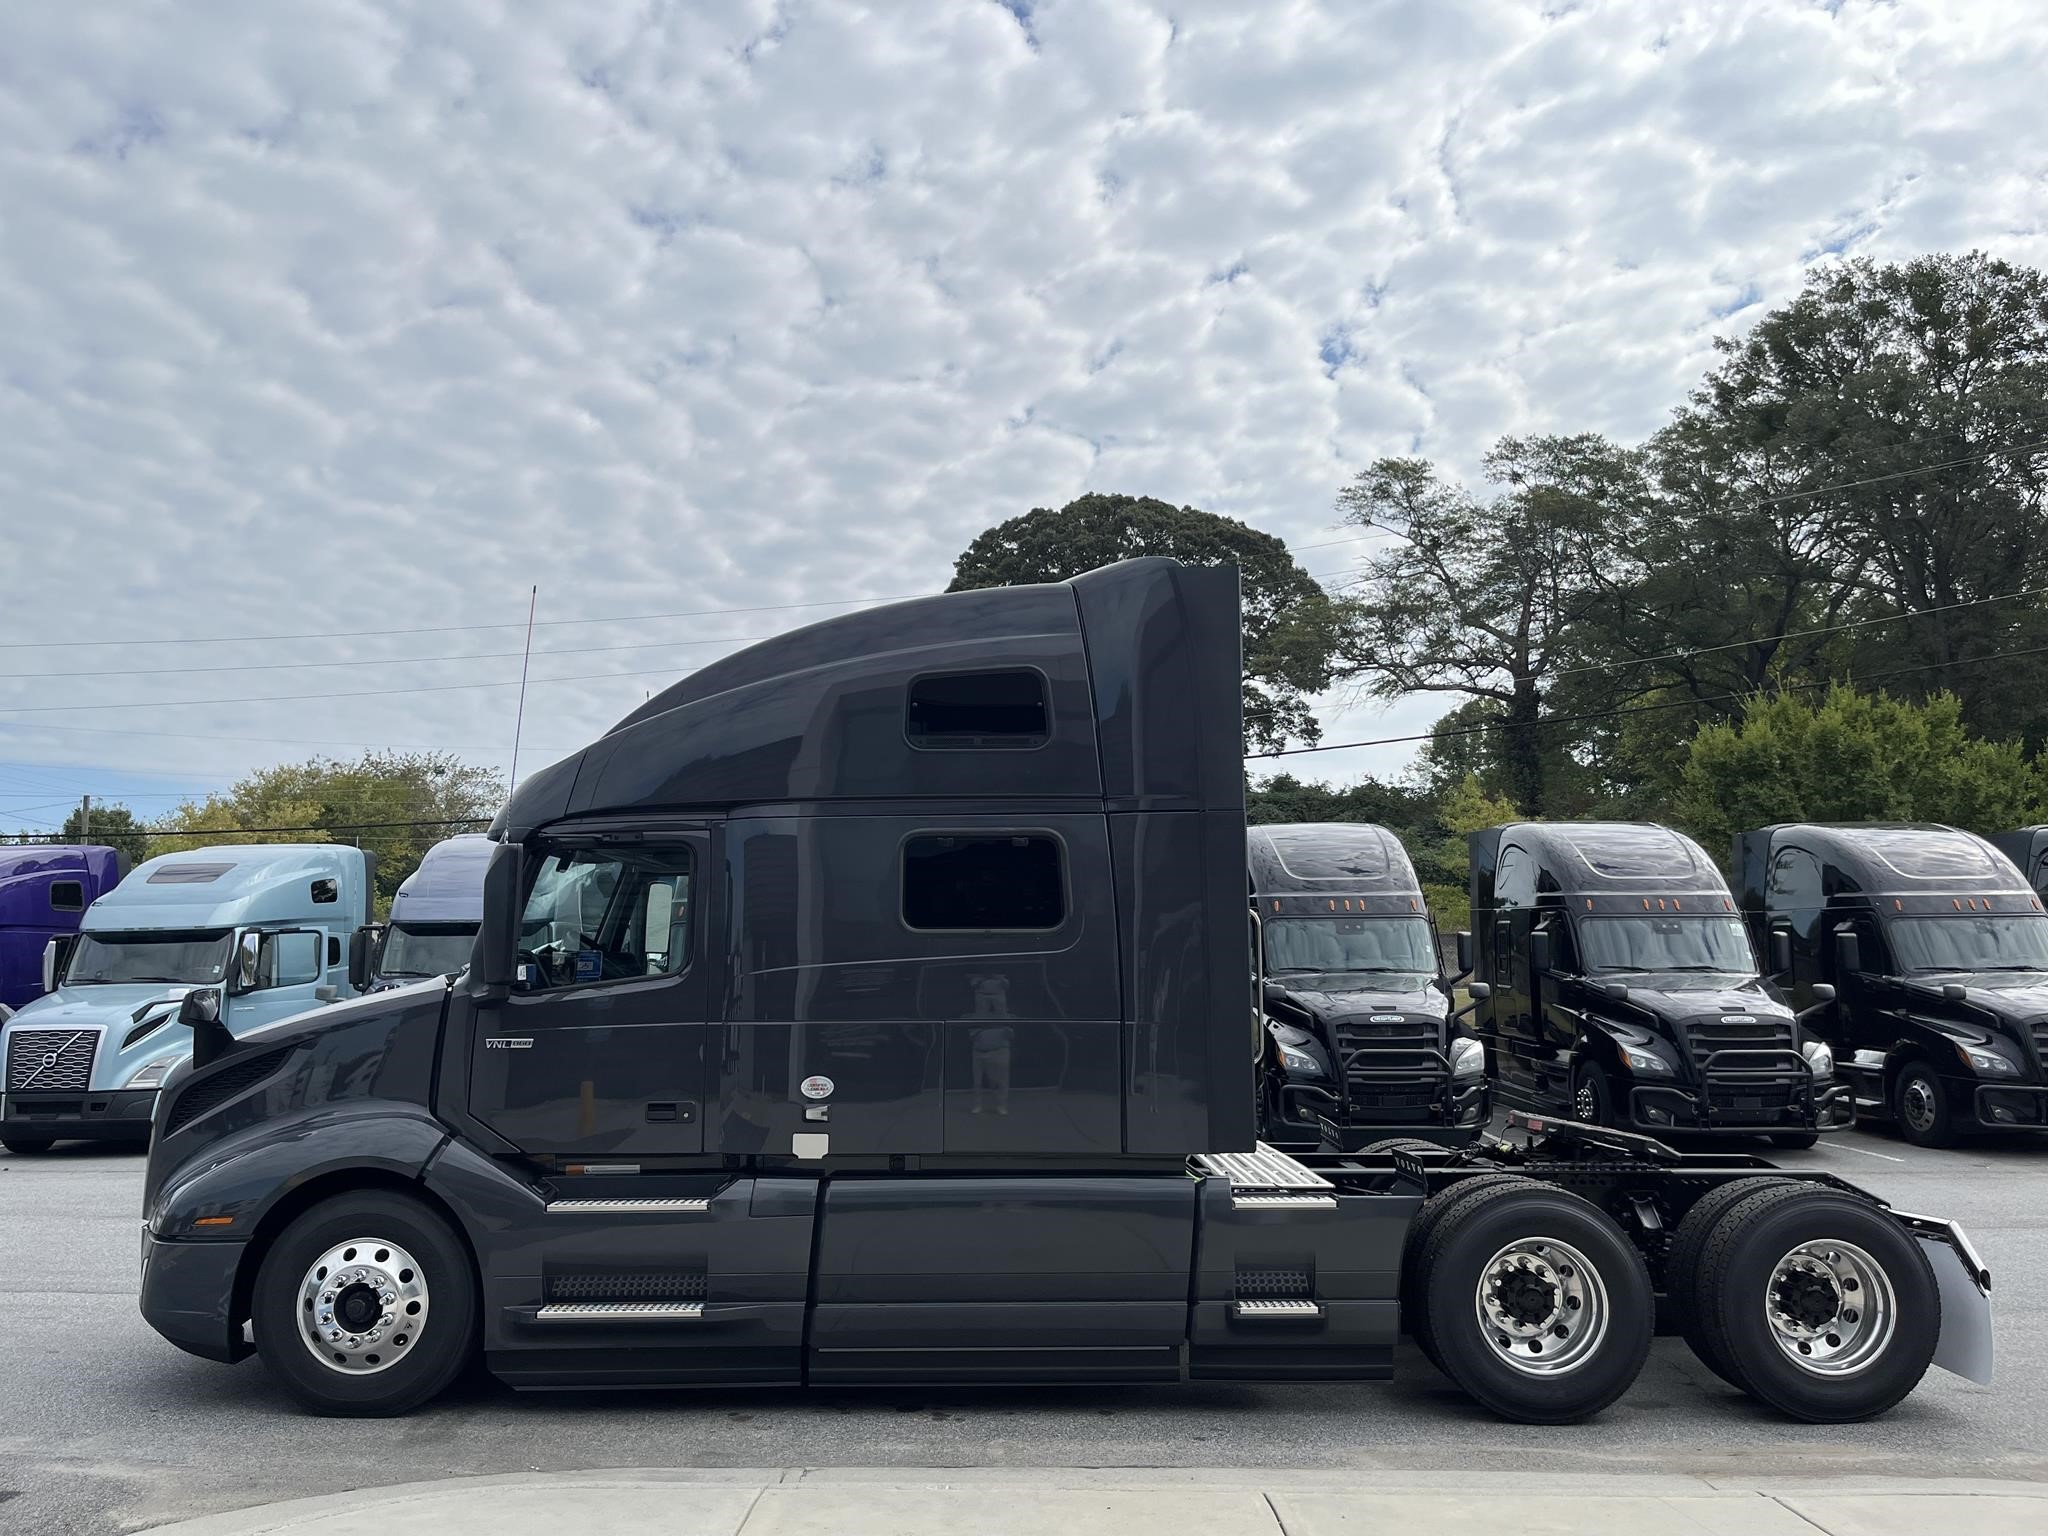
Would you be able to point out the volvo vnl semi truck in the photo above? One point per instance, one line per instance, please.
(906, 1035)
(1924, 952)
(44, 892)
(434, 916)
(1362, 1045)
(264, 928)
(1624, 990)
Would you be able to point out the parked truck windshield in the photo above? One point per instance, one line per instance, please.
(434, 949)
(191, 956)
(1656, 943)
(2016, 943)
(1384, 944)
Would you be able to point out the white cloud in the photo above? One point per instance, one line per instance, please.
(354, 316)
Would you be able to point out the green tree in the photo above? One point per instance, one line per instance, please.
(395, 804)
(1284, 798)
(1439, 850)
(1291, 625)
(1489, 596)
(113, 826)
(1852, 756)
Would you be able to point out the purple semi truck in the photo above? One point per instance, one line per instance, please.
(44, 892)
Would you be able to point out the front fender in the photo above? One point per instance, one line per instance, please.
(236, 1181)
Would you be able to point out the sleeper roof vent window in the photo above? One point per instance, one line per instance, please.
(1326, 855)
(1621, 853)
(978, 709)
(189, 874)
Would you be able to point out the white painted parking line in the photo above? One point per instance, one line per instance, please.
(1843, 1146)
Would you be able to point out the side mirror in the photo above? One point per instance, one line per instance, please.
(362, 954)
(493, 968)
(1781, 951)
(246, 964)
(199, 1011)
(1479, 991)
(1955, 992)
(1464, 951)
(1823, 993)
(1848, 954)
(49, 967)
(1614, 991)
(1540, 956)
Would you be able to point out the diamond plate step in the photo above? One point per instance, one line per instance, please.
(674, 1205)
(1283, 1308)
(619, 1312)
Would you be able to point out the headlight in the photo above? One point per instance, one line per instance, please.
(1990, 1063)
(151, 1074)
(1639, 1060)
(1468, 1058)
(1296, 1061)
(1819, 1058)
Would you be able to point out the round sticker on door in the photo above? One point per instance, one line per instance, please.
(817, 1087)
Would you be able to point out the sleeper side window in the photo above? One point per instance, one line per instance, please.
(965, 710)
(607, 914)
(67, 895)
(975, 880)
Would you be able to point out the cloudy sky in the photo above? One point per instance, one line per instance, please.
(329, 328)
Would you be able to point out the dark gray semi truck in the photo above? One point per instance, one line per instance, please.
(874, 1005)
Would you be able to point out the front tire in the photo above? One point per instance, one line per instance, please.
(1538, 1306)
(366, 1306)
(1592, 1095)
(28, 1146)
(1921, 1107)
(1823, 1307)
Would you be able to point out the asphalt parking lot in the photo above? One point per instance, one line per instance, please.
(106, 1428)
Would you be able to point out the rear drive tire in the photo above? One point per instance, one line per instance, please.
(1538, 1306)
(1592, 1096)
(1414, 1295)
(1921, 1107)
(1795, 1141)
(1823, 1306)
(28, 1146)
(388, 1291)
(1682, 1265)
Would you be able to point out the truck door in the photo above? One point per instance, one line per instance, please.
(601, 1048)
(275, 974)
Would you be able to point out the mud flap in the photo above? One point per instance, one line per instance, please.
(1965, 1286)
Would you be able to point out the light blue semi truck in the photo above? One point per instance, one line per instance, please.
(270, 925)
(434, 918)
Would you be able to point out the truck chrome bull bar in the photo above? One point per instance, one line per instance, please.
(1739, 1067)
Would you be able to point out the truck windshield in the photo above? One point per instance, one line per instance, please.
(428, 949)
(1349, 944)
(1666, 944)
(191, 956)
(2018, 943)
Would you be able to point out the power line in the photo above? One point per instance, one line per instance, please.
(1902, 474)
(360, 693)
(328, 827)
(1644, 709)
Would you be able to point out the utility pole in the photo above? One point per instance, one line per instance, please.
(85, 821)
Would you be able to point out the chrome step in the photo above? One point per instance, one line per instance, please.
(619, 1312)
(672, 1205)
(1262, 1168)
(1277, 1308)
(1285, 1201)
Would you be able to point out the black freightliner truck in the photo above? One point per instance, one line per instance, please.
(1361, 1044)
(1925, 953)
(1625, 993)
(873, 1006)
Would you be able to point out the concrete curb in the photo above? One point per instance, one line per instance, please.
(1131, 1501)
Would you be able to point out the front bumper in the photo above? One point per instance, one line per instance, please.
(1447, 1110)
(122, 1114)
(1713, 1109)
(188, 1295)
(2008, 1107)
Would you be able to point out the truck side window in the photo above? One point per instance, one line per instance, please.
(609, 914)
(1514, 881)
(67, 895)
(1004, 880)
(977, 709)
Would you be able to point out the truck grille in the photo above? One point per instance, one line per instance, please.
(51, 1060)
(1708, 1035)
(2039, 1029)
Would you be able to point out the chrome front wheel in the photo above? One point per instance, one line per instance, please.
(362, 1305)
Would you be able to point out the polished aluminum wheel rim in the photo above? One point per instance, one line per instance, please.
(1586, 1103)
(1542, 1307)
(1830, 1307)
(362, 1306)
(1918, 1104)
